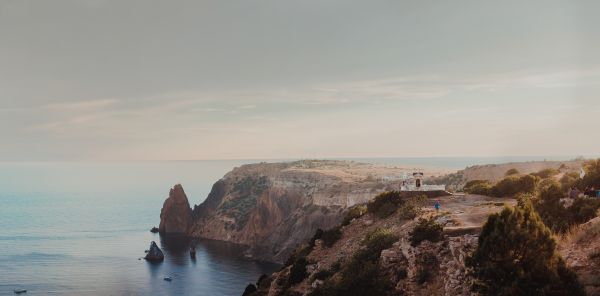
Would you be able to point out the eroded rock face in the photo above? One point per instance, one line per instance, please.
(176, 214)
(273, 207)
(154, 253)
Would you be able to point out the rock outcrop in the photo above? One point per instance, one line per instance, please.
(154, 253)
(272, 207)
(430, 268)
(176, 214)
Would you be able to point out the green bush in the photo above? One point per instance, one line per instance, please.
(592, 174)
(482, 187)
(569, 180)
(300, 252)
(323, 274)
(583, 209)
(318, 235)
(516, 255)
(354, 213)
(426, 229)
(385, 204)
(298, 271)
(546, 173)
(412, 208)
(509, 186)
(360, 276)
(331, 236)
(511, 172)
(513, 185)
(560, 218)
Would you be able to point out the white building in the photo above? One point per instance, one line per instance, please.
(415, 183)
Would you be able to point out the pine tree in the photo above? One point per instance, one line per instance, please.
(517, 255)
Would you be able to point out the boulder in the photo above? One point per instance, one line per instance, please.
(154, 253)
(176, 214)
(154, 230)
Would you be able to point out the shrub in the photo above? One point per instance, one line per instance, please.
(511, 172)
(300, 252)
(592, 174)
(583, 209)
(412, 208)
(426, 229)
(482, 187)
(516, 255)
(551, 210)
(560, 218)
(360, 276)
(513, 185)
(546, 173)
(569, 180)
(298, 271)
(331, 236)
(385, 204)
(318, 235)
(354, 213)
(323, 274)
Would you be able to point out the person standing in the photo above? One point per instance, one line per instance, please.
(437, 205)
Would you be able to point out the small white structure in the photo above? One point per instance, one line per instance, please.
(415, 183)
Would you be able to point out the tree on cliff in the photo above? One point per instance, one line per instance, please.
(516, 255)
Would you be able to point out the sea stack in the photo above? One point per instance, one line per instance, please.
(154, 253)
(176, 214)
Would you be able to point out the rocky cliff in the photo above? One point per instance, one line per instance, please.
(429, 268)
(272, 207)
(176, 215)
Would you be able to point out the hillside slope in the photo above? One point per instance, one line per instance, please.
(426, 269)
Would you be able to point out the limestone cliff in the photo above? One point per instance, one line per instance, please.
(176, 215)
(272, 207)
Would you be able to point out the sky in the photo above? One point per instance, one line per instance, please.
(176, 80)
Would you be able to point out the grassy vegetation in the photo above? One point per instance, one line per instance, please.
(385, 204)
(360, 276)
(388, 203)
(426, 229)
(354, 213)
(298, 271)
(516, 255)
(509, 186)
(247, 191)
(412, 207)
(556, 215)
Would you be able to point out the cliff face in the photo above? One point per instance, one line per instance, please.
(272, 207)
(176, 215)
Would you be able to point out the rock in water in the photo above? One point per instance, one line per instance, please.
(154, 230)
(176, 214)
(155, 253)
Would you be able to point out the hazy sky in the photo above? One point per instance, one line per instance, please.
(131, 80)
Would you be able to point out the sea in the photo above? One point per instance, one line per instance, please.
(81, 228)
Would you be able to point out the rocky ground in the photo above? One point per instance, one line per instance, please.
(581, 251)
(463, 217)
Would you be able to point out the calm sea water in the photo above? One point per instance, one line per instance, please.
(80, 229)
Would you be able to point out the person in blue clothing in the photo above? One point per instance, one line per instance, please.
(437, 205)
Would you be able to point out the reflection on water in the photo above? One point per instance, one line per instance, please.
(81, 229)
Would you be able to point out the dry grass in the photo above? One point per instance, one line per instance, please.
(581, 233)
